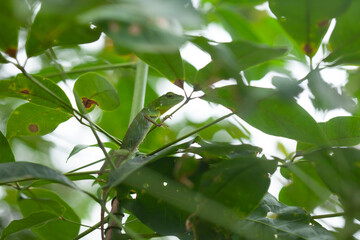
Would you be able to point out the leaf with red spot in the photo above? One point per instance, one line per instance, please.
(307, 21)
(30, 119)
(92, 89)
(13, 15)
(23, 88)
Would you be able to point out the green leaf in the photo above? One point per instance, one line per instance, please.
(23, 88)
(55, 25)
(217, 150)
(30, 119)
(238, 55)
(131, 24)
(13, 15)
(239, 183)
(287, 86)
(22, 171)
(342, 131)
(339, 168)
(306, 188)
(81, 147)
(274, 220)
(33, 220)
(268, 111)
(91, 89)
(307, 21)
(135, 225)
(41, 199)
(170, 65)
(325, 96)
(3, 59)
(345, 39)
(129, 167)
(6, 154)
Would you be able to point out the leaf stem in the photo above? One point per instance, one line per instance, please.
(189, 134)
(328, 215)
(89, 69)
(139, 88)
(91, 229)
(81, 173)
(87, 165)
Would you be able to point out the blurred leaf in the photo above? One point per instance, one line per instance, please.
(325, 96)
(136, 225)
(30, 119)
(217, 150)
(23, 88)
(306, 188)
(339, 168)
(239, 183)
(287, 86)
(13, 15)
(55, 25)
(307, 21)
(3, 59)
(168, 64)
(130, 166)
(41, 199)
(6, 154)
(142, 27)
(238, 55)
(20, 171)
(274, 220)
(342, 131)
(33, 220)
(268, 111)
(345, 39)
(91, 89)
(81, 147)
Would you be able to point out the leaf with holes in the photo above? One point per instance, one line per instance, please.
(307, 21)
(92, 89)
(6, 154)
(23, 88)
(30, 119)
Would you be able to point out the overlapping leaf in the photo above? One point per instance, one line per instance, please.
(307, 21)
(6, 154)
(44, 200)
(345, 39)
(305, 184)
(56, 25)
(21, 171)
(268, 111)
(23, 88)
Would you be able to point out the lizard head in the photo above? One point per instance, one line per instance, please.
(167, 101)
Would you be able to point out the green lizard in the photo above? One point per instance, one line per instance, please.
(141, 125)
(136, 133)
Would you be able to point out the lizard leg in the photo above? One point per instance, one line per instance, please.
(155, 123)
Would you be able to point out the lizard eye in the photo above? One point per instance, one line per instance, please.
(170, 95)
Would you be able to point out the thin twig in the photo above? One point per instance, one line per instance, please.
(91, 229)
(95, 68)
(328, 215)
(189, 134)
